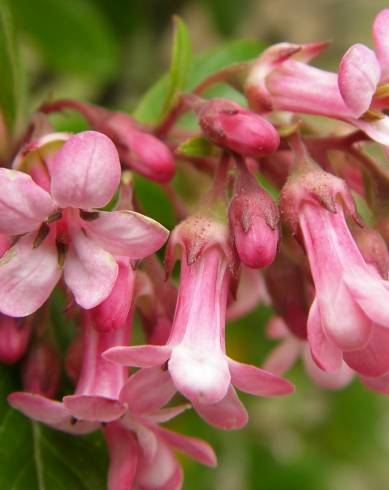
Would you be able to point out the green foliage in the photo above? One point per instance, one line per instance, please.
(197, 147)
(72, 35)
(151, 105)
(35, 457)
(10, 80)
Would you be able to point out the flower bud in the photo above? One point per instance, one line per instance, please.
(230, 126)
(113, 311)
(253, 219)
(373, 249)
(14, 336)
(41, 370)
(137, 148)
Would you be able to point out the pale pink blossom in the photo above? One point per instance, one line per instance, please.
(195, 352)
(65, 230)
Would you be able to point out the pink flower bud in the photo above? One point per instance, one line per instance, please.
(14, 337)
(138, 149)
(253, 219)
(41, 370)
(229, 125)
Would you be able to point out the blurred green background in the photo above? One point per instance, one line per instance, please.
(110, 52)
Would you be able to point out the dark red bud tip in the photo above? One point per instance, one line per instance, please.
(41, 370)
(229, 125)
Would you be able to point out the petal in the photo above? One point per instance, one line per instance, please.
(373, 360)
(127, 233)
(283, 356)
(377, 130)
(38, 407)
(380, 384)
(123, 452)
(251, 292)
(27, 276)
(371, 293)
(191, 446)
(227, 414)
(143, 356)
(90, 272)
(85, 172)
(256, 381)
(94, 408)
(169, 413)
(147, 390)
(359, 75)
(325, 353)
(331, 381)
(381, 40)
(24, 205)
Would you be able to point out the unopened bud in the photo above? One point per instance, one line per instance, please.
(41, 370)
(253, 219)
(231, 126)
(14, 336)
(113, 311)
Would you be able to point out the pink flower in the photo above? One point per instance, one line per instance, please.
(141, 451)
(281, 80)
(350, 312)
(195, 352)
(63, 229)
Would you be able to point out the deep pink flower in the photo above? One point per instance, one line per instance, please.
(63, 230)
(195, 352)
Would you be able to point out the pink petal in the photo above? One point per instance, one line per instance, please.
(251, 292)
(27, 276)
(381, 40)
(24, 205)
(94, 408)
(359, 75)
(377, 130)
(256, 381)
(147, 390)
(227, 414)
(277, 328)
(169, 413)
(123, 452)
(90, 272)
(372, 360)
(38, 407)
(191, 446)
(371, 293)
(380, 384)
(331, 381)
(283, 356)
(85, 172)
(127, 233)
(325, 353)
(143, 356)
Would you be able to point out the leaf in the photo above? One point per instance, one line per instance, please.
(10, 78)
(197, 147)
(151, 105)
(72, 35)
(35, 457)
(180, 64)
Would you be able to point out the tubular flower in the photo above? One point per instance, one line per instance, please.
(195, 351)
(63, 229)
(349, 312)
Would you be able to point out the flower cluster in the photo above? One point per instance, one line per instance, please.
(70, 221)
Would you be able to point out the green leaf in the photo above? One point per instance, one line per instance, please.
(197, 147)
(180, 64)
(35, 457)
(72, 35)
(11, 94)
(150, 107)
